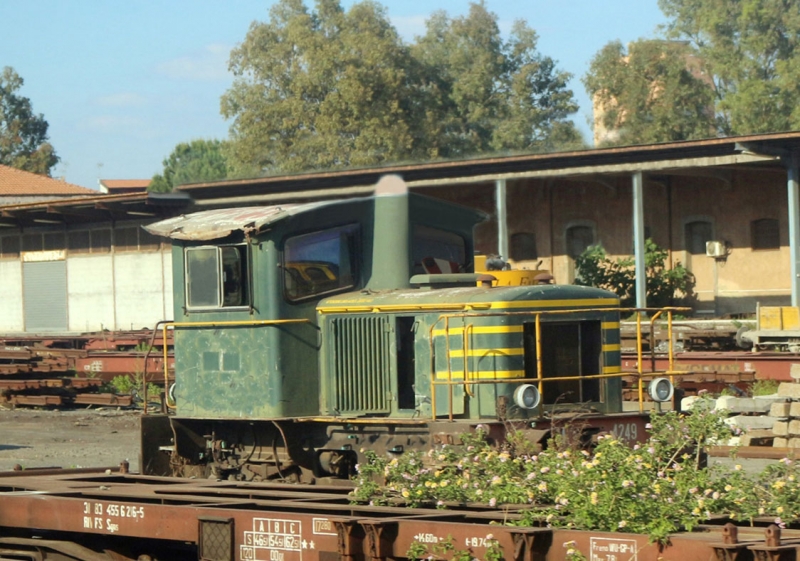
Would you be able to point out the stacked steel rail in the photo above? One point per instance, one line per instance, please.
(71, 370)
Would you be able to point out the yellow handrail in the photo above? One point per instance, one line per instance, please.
(640, 374)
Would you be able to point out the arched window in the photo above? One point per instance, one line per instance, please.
(765, 234)
(696, 234)
(578, 239)
(522, 247)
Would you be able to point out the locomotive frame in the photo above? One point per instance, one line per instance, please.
(306, 333)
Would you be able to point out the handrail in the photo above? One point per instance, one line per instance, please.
(465, 345)
(539, 380)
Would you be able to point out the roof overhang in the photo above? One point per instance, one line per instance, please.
(96, 209)
(680, 158)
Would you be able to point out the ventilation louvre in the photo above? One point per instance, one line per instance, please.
(361, 365)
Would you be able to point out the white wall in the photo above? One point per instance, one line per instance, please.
(140, 287)
(11, 318)
(109, 291)
(90, 293)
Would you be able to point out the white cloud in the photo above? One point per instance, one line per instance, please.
(210, 64)
(125, 99)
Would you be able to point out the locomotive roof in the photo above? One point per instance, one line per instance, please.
(220, 223)
(457, 300)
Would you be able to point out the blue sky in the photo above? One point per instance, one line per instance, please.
(122, 82)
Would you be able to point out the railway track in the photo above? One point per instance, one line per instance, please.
(115, 515)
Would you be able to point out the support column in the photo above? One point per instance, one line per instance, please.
(502, 218)
(794, 226)
(638, 240)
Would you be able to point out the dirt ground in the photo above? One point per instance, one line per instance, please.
(97, 437)
(104, 437)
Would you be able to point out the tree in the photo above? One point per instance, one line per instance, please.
(23, 135)
(751, 49)
(595, 268)
(654, 92)
(747, 51)
(319, 89)
(492, 95)
(333, 88)
(192, 162)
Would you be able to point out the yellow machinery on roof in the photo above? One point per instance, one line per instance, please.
(516, 277)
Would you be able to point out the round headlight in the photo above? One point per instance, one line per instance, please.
(527, 396)
(660, 389)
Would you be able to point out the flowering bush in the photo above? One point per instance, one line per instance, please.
(654, 488)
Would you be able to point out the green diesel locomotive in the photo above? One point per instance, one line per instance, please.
(305, 333)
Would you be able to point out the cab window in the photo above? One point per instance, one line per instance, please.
(217, 277)
(320, 262)
(438, 244)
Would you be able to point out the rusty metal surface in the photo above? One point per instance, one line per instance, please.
(317, 523)
(764, 365)
(754, 452)
(108, 365)
(68, 370)
(220, 223)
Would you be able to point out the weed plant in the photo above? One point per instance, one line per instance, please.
(656, 487)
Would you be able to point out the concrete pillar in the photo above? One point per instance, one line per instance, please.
(794, 227)
(502, 218)
(638, 240)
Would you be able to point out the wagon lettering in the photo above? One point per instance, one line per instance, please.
(323, 526)
(611, 549)
(271, 539)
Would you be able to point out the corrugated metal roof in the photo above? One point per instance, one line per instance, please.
(220, 223)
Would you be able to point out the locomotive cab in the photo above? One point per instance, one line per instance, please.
(303, 331)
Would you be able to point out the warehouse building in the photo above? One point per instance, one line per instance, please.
(726, 208)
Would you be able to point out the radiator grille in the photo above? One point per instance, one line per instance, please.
(361, 364)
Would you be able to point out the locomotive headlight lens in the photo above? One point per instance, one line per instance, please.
(661, 389)
(527, 396)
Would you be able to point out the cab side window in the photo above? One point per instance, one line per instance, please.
(217, 277)
(320, 262)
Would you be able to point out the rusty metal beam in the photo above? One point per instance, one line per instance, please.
(294, 523)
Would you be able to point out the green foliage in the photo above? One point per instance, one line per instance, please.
(764, 387)
(750, 48)
(595, 268)
(23, 135)
(492, 95)
(338, 88)
(192, 162)
(654, 488)
(447, 550)
(738, 58)
(654, 92)
(132, 384)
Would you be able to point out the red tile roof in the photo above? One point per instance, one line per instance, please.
(17, 182)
